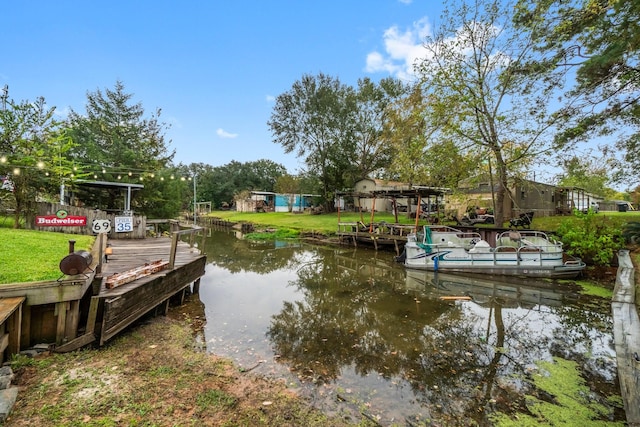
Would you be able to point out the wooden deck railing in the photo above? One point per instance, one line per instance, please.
(177, 236)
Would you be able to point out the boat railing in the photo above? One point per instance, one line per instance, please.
(523, 234)
(528, 238)
(443, 235)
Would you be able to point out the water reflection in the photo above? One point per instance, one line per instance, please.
(405, 346)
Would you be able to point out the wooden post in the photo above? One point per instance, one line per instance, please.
(172, 252)
(93, 314)
(202, 242)
(373, 208)
(101, 237)
(61, 312)
(418, 211)
(395, 208)
(25, 332)
(196, 286)
(14, 325)
(72, 320)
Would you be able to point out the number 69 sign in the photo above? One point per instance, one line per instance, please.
(101, 226)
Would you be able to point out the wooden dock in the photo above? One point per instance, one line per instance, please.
(377, 234)
(626, 332)
(112, 309)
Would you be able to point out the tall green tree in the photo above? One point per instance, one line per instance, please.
(470, 77)
(117, 141)
(587, 172)
(372, 152)
(287, 184)
(594, 46)
(315, 119)
(420, 154)
(33, 154)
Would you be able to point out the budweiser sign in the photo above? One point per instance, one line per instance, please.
(61, 219)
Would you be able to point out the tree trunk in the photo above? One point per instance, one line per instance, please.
(503, 186)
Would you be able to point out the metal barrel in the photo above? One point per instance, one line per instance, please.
(76, 263)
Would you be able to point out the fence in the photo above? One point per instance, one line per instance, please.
(139, 222)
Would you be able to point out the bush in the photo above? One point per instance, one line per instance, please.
(591, 238)
(631, 232)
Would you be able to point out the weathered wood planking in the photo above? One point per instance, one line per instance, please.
(122, 309)
(128, 302)
(10, 325)
(626, 332)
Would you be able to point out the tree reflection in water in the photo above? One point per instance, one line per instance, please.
(358, 315)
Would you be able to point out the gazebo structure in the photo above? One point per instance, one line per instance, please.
(127, 187)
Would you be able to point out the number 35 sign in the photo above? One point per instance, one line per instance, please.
(123, 224)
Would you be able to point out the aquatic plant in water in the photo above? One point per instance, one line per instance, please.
(569, 400)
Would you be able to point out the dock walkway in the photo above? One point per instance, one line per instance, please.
(128, 254)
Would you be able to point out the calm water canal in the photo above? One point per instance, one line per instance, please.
(357, 333)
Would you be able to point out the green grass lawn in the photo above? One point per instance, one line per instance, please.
(328, 223)
(324, 223)
(31, 255)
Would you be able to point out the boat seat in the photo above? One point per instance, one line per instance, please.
(531, 249)
(482, 246)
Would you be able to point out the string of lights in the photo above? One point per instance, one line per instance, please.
(90, 170)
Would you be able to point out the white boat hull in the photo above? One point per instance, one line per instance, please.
(529, 254)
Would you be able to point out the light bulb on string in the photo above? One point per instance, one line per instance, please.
(16, 171)
(40, 164)
(3, 159)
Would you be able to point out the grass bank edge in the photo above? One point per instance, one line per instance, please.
(33, 255)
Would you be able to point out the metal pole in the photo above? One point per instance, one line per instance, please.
(128, 199)
(194, 198)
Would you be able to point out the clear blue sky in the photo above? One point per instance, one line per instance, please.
(213, 67)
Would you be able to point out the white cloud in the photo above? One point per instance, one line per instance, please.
(224, 134)
(406, 1)
(62, 114)
(270, 98)
(402, 48)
